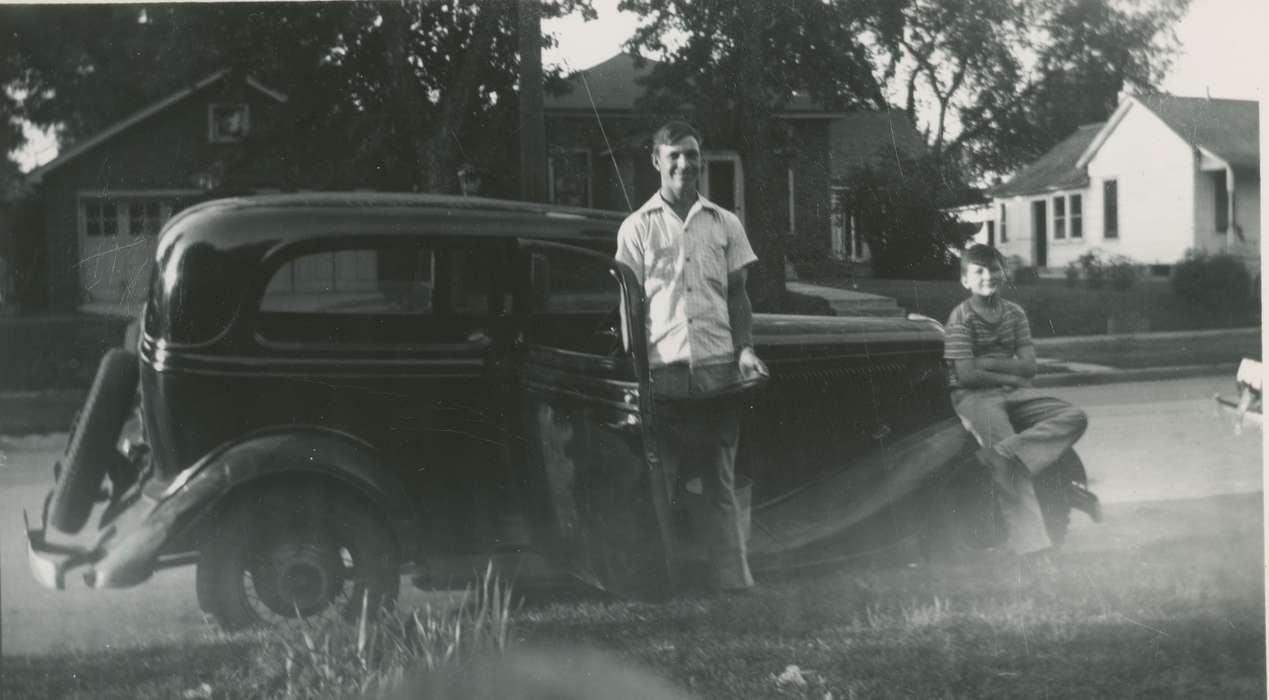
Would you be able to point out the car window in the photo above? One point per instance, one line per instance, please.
(373, 280)
(573, 283)
(576, 302)
(380, 295)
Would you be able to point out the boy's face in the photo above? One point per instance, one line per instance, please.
(982, 280)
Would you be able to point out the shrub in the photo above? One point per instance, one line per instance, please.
(1072, 275)
(1218, 282)
(1092, 269)
(1019, 272)
(1098, 269)
(1122, 273)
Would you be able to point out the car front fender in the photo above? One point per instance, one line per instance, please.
(293, 452)
(862, 487)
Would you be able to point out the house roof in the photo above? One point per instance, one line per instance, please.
(862, 138)
(614, 84)
(1059, 169)
(617, 83)
(35, 176)
(1228, 129)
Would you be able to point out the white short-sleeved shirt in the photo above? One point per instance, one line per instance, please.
(683, 266)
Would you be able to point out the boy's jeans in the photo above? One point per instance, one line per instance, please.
(1048, 426)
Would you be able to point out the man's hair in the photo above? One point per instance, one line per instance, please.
(672, 132)
(980, 254)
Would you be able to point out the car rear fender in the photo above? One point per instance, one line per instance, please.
(296, 453)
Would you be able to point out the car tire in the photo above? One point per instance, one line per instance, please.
(962, 515)
(91, 446)
(274, 554)
(959, 515)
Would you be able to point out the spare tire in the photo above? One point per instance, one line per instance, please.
(91, 446)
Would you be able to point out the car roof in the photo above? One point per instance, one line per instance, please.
(250, 220)
(207, 251)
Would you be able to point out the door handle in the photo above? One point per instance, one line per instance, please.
(630, 422)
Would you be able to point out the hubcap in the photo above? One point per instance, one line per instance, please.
(298, 576)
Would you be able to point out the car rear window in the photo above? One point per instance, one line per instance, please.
(379, 295)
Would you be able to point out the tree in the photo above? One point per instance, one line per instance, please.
(737, 64)
(396, 93)
(898, 207)
(1004, 80)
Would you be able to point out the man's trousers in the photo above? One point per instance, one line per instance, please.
(700, 437)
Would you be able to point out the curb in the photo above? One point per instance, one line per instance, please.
(1145, 374)
(1122, 338)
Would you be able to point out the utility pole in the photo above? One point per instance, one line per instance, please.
(766, 283)
(532, 122)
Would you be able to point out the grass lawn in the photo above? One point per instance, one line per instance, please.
(1054, 308)
(1163, 600)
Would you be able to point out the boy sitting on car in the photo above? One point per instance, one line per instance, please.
(989, 348)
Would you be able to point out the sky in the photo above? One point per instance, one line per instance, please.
(1222, 44)
(1222, 53)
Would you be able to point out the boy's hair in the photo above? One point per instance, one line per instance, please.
(671, 132)
(980, 254)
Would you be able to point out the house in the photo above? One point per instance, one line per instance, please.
(598, 139)
(1161, 176)
(104, 200)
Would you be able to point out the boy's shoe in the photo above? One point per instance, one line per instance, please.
(1080, 498)
(1002, 469)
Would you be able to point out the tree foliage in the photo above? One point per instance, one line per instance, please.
(730, 66)
(899, 208)
(397, 93)
(1005, 80)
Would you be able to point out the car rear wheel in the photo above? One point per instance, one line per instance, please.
(284, 555)
(90, 451)
(962, 515)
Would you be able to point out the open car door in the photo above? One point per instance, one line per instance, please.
(593, 490)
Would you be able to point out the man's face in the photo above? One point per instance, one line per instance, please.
(680, 165)
(982, 280)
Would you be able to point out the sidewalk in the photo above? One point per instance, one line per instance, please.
(1093, 359)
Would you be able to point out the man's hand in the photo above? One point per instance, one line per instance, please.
(750, 365)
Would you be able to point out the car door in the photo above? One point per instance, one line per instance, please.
(593, 491)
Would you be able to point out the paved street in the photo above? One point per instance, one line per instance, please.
(1146, 441)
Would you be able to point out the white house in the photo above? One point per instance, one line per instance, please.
(1163, 175)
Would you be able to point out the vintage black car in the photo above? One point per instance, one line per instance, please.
(331, 390)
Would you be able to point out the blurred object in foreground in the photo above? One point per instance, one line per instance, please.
(1246, 408)
(560, 674)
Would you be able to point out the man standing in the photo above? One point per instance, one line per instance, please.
(691, 257)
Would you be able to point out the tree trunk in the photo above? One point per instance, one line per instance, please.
(456, 102)
(766, 280)
(407, 101)
(532, 123)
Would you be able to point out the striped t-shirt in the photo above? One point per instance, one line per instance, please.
(969, 335)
